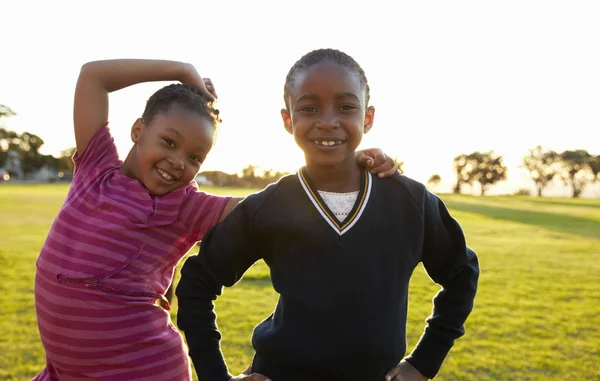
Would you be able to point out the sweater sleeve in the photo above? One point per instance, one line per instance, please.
(226, 252)
(451, 264)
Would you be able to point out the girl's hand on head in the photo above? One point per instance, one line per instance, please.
(210, 87)
(191, 77)
(377, 162)
(404, 372)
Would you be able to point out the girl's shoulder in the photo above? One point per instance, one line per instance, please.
(100, 153)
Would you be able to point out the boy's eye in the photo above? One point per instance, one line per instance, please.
(196, 158)
(308, 109)
(169, 142)
(347, 107)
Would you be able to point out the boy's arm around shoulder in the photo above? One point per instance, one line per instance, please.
(450, 263)
(226, 252)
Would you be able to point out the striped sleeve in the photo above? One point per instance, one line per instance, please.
(99, 153)
(201, 211)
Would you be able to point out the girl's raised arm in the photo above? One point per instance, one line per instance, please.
(98, 78)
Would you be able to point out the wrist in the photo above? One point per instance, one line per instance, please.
(186, 72)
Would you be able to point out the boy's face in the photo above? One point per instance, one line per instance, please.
(169, 151)
(327, 113)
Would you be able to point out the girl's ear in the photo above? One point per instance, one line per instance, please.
(369, 118)
(287, 121)
(136, 130)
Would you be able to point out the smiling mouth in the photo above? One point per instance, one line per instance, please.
(165, 175)
(328, 143)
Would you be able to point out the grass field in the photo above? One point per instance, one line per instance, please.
(536, 316)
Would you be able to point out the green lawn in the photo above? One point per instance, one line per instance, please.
(536, 316)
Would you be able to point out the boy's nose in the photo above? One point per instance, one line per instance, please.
(328, 121)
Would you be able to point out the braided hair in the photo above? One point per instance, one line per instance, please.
(185, 96)
(324, 55)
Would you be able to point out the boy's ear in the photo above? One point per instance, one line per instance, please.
(287, 120)
(136, 130)
(369, 118)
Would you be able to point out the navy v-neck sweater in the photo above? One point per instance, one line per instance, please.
(343, 287)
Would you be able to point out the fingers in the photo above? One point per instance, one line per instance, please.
(388, 172)
(201, 85)
(205, 85)
(386, 169)
(391, 375)
(363, 160)
(210, 87)
(377, 155)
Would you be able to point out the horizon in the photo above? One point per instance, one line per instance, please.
(445, 79)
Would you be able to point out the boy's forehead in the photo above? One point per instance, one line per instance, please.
(326, 69)
(327, 77)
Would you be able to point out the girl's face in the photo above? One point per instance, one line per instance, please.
(327, 114)
(169, 151)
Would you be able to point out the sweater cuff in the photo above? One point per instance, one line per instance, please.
(208, 361)
(211, 368)
(429, 354)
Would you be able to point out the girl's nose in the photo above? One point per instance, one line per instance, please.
(177, 163)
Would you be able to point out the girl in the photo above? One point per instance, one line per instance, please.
(111, 251)
(341, 246)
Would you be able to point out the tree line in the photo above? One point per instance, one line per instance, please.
(25, 148)
(576, 168)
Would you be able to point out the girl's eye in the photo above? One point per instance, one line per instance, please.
(196, 158)
(169, 142)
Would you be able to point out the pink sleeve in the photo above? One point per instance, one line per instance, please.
(100, 153)
(201, 211)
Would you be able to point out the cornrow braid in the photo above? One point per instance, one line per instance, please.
(322, 55)
(185, 96)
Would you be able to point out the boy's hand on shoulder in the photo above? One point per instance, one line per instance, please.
(404, 372)
(377, 162)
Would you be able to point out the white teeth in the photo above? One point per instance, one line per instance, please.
(164, 175)
(328, 142)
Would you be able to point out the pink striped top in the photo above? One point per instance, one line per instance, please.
(109, 218)
(109, 254)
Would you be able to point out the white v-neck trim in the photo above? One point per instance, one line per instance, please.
(363, 199)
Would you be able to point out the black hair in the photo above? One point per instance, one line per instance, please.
(185, 96)
(322, 55)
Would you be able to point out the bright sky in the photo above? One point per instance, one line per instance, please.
(446, 77)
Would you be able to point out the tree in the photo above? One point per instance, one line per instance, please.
(6, 137)
(8, 140)
(542, 167)
(594, 164)
(270, 176)
(400, 164)
(485, 168)
(26, 147)
(462, 175)
(574, 164)
(29, 145)
(249, 177)
(64, 163)
(6, 111)
(434, 180)
(255, 177)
